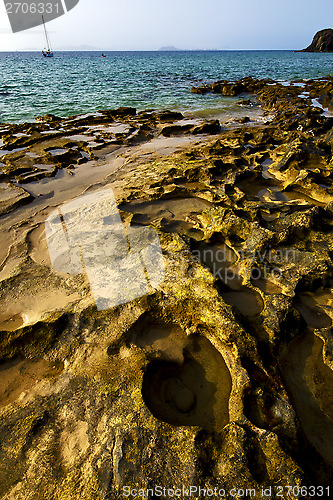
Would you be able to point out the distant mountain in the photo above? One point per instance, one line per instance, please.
(169, 49)
(322, 42)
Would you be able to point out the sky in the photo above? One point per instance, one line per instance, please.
(185, 24)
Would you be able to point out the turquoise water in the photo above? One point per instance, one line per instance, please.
(80, 82)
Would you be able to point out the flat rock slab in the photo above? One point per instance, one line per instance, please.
(12, 196)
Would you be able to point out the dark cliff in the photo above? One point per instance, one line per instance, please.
(322, 42)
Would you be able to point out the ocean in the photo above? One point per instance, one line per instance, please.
(80, 82)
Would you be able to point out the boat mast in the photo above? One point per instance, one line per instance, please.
(46, 37)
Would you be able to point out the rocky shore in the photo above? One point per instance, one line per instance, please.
(222, 376)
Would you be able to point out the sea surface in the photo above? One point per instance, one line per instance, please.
(80, 82)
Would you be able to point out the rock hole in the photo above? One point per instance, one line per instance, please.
(308, 380)
(193, 392)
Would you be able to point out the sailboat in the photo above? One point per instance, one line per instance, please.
(47, 52)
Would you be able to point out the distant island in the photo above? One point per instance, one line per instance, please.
(322, 42)
(169, 49)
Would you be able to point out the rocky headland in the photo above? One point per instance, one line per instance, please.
(221, 377)
(322, 42)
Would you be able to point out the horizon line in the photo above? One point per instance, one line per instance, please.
(159, 50)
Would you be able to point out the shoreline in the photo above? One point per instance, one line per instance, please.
(230, 354)
(39, 149)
